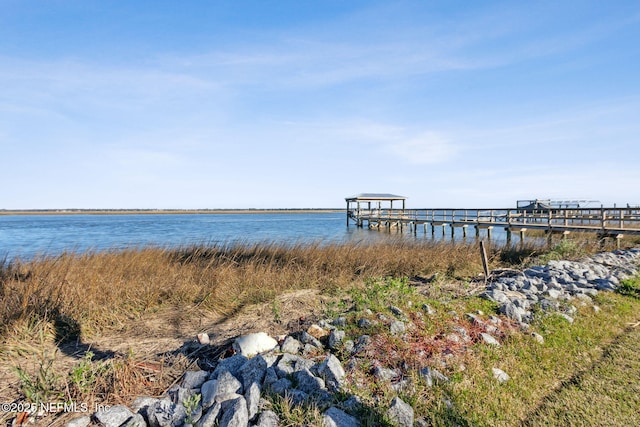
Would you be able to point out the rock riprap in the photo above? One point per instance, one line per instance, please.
(554, 286)
(231, 394)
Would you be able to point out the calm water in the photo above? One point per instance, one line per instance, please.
(27, 236)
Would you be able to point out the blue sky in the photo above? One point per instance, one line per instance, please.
(257, 104)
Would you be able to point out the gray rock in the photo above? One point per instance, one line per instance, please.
(253, 371)
(165, 413)
(136, 421)
(400, 413)
(496, 296)
(335, 338)
(231, 364)
(332, 372)
(235, 413)
(512, 311)
(549, 305)
(194, 379)
(475, 320)
(340, 322)
(252, 397)
(141, 404)
(362, 343)
(307, 382)
(114, 416)
(291, 345)
(268, 419)
(281, 386)
(289, 363)
(383, 318)
(211, 417)
(428, 309)
(490, 329)
(405, 385)
(566, 317)
(324, 324)
(385, 374)
(208, 391)
(307, 338)
(432, 376)
(270, 377)
(226, 385)
(488, 339)
(364, 323)
(397, 327)
(179, 394)
(539, 338)
(334, 417)
(353, 403)
(464, 334)
(396, 311)
(605, 285)
(500, 375)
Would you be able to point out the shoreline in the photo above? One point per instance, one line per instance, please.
(8, 212)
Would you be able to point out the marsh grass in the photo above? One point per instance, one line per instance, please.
(83, 295)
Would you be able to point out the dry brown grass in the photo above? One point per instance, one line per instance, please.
(87, 294)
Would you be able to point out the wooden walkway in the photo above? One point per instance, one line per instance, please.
(606, 222)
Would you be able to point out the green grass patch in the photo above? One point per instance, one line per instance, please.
(572, 368)
(630, 287)
(540, 373)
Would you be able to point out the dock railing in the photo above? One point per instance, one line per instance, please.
(603, 220)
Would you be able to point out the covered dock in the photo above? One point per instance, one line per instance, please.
(375, 207)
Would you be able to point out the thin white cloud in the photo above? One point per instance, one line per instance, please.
(424, 149)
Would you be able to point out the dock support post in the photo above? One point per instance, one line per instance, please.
(508, 230)
(618, 240)
(485, 261)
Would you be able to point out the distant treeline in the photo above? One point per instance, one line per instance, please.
(160, 211)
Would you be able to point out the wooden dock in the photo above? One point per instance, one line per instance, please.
(605, 222)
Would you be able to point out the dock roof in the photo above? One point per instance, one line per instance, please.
(374, 197)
